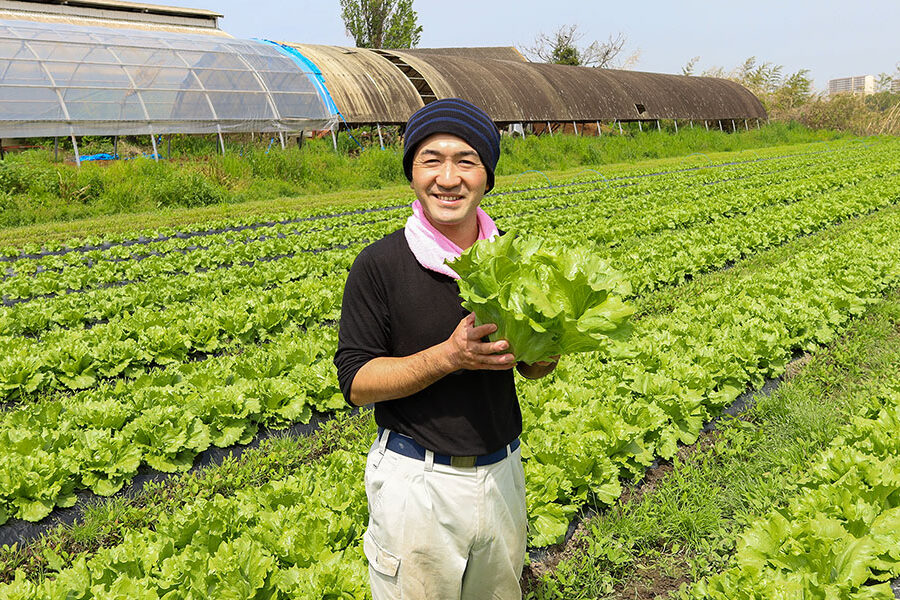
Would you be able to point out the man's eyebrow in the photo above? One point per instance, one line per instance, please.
(431, 152)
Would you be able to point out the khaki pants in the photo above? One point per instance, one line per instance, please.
(438, 532)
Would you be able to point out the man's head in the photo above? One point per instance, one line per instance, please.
(461, 119)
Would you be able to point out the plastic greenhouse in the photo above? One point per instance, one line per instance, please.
(58, 79)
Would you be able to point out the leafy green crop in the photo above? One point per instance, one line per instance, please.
(545, 300)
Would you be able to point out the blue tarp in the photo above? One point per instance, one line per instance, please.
(313, 72)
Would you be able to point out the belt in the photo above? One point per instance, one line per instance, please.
(405, 445)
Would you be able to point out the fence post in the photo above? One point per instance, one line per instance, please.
(75, 146)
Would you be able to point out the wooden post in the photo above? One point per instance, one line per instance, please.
(575, 127)
(692, 123)
(620, 128)
(300, 141)
(115, 146)
(658, 128)
(676, 125)
(747, 127)
(380, 139)
(720, 125)
(550, 128)
(641, 127)
(281, 138)
(705, 122)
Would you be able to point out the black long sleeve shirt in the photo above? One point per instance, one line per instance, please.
(393, 306)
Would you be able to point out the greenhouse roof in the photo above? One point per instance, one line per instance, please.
(60, 79)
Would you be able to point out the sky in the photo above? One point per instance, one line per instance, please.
(830, 38)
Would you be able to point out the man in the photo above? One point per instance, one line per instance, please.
(444, 478)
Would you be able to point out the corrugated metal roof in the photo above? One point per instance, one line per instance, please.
(124, 6)
(93, 12)
(366, 87)
(111, 23)
(387, 86)
(512, 91)
(494, 52)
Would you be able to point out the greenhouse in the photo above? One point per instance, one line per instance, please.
(62, 79)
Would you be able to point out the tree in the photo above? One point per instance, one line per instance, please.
(562, 47)
(381, 23)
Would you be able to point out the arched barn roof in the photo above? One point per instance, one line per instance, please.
(365, 86)
(386, 86)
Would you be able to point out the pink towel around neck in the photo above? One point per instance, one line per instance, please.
(431, 247)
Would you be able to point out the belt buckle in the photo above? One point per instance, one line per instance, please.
(463, 462)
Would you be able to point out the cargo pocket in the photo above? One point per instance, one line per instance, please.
(380, 559)
(383, 570)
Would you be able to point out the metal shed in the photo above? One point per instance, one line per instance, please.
(386, 86)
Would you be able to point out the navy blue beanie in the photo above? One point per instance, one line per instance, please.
(458, 117)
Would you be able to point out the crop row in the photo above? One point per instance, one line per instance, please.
(766, 230)
(42, 277)
(839, 537)
(689, 206)
(129, 343)
(98, 438)
(600, 417)
(161, 290)
(310, 223)
(76, 359)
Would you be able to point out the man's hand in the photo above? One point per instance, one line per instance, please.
(388, 377)
(466, 350)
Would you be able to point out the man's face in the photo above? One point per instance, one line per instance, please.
(449, 179)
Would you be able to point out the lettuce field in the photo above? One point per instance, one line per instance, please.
(133, 354)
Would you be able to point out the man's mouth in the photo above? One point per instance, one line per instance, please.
(448, 198)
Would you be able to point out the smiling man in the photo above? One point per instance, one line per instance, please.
(444, 477)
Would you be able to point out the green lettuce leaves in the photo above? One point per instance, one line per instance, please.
(546, 300)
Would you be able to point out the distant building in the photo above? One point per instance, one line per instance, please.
(864, 84)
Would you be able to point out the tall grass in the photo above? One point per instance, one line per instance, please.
(36, 189)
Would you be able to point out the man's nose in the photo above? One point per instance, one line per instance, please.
(448, 175)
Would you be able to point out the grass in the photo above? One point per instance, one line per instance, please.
(681, 525)
(36, 190)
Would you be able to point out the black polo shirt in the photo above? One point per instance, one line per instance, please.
(393, 306)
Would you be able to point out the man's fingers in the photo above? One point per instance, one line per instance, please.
(476, 333)
(496, 361)
(488, 348)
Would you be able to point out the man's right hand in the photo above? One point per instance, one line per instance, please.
(388, 377)
(466, 350)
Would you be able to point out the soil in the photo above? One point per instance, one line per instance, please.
(794, 367)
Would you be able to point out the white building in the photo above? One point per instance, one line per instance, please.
(864, 84)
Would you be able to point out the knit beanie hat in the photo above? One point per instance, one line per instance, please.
(458, 117)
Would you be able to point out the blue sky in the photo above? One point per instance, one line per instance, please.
(831, 38)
